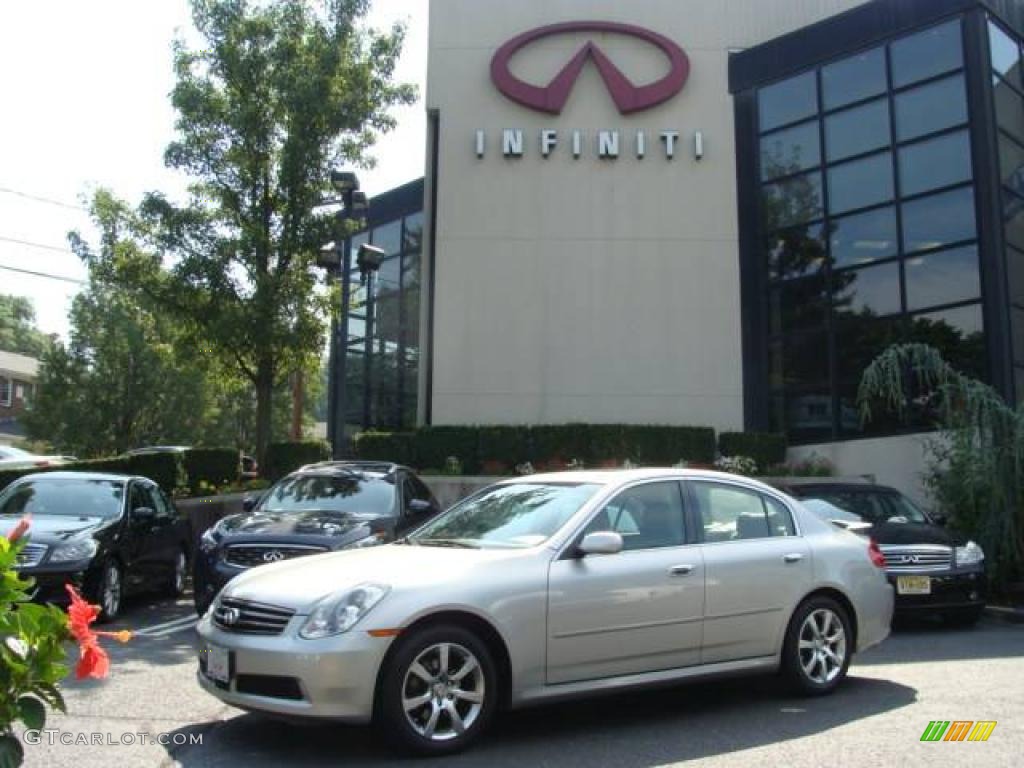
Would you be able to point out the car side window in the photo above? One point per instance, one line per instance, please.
(162, 506)
(647, 516)
(137, 497)
(729, 513)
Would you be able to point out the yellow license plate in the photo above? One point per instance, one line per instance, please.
(914, 585)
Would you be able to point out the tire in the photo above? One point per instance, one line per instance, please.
(175, 586)
(109, 594)
(818, 647)
(964, 617)
(414, 674)
(202, 597)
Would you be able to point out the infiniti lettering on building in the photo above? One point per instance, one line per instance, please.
(629, 98)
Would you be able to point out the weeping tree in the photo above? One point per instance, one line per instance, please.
(976, 472)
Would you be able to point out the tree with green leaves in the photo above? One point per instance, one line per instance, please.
(18, 332)
(278, 94)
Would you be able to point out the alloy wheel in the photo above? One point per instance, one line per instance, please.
(110, 597)
(180, 569)
(822, 646)
(443, 692)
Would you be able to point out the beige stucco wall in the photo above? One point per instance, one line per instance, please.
(585, 289)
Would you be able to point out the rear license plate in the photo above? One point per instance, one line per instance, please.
(218, 664)
(914, 585)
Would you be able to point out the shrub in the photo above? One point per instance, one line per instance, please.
(211, 466)
(165, 469)
(399, 447)
(283, 458)
(509, 445)
(435, 444)
(664, 446)
(765, 448)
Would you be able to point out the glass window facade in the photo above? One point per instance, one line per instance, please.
(382, 348)
(868, 222)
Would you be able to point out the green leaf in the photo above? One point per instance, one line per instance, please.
(51, 695)
(11, 752)
(33, 713)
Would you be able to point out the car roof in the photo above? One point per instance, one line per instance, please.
(621, 476)
(72, 475)
(798, 489)
(347, 467)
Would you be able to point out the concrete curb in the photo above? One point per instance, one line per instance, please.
(1005, 614)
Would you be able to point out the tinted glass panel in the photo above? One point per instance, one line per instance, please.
(946, 277)
(413, 238)
(870, 291)
(646, 516)
(853, 79)
(864, 237)
(793, 201)
(931, 108)
(1013, 214)
(860, 183)
(1011, 164)
(389, 237)
(927, 53)
(796, 252)
(1005, 53)
(790, 150)
(1015, 272)
(800, 363)
(1009, 109)
(938, 220)
(957, 334)
(858, 130)
(804, 416)
(797, 305)
(1017, 316)
(788, 101)
(935, 163)
(858, 342)
(1019, 384)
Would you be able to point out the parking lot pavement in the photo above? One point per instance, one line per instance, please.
(921, 673)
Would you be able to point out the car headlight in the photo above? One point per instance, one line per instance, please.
(341, 611)
(373, 540)
(208, 541)
(81, 549)
(969, 554)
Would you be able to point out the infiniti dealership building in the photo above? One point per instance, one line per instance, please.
(694, 213)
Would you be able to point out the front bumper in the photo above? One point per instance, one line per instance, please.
(50, 580)
(949, 590)
(332, 678)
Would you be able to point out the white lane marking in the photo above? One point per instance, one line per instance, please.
(164, 632)
(177, 623)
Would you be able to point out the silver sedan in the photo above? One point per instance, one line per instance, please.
(549, 587)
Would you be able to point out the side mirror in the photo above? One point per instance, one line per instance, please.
(420, 507)
(601, 543)
(249, 503)
(144, 513)
(940, 519)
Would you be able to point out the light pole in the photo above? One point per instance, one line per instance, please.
(337, 262)
(369, 260)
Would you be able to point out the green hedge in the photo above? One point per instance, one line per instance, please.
(283, 458)
(165, 469)
(486, 447)
(767, 449)
(211, 466)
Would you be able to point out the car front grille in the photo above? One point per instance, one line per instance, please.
(31, 556)
(250, 555)
(250, 618)
(917, 559)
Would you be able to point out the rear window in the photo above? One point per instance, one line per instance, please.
(871, 506)
(367, 495)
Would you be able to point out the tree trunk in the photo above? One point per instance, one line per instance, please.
(264, 404)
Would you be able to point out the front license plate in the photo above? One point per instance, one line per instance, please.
(218, 664)
(914, 585)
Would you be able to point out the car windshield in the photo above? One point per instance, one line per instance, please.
(514, 516)
(871, 506)
(365, 495)
(73, 497)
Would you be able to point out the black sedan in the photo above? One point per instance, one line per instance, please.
(319, 508)
(933, 570)
(108, 535)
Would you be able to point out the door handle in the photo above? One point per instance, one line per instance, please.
(680, 570)
(793, 557)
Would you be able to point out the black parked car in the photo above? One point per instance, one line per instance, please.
(319, 508)
(106, 534)
(932, 569)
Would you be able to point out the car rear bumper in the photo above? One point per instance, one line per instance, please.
(333, 678)
(948, 590)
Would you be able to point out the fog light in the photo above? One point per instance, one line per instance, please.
(972, 596)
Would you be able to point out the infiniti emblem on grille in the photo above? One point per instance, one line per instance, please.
(230, 616)
(273, 556)
(910, 559)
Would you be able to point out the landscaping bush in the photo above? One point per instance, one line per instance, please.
(165, 469)
(212, 466)
(435, 445)
(766, 448)
(665, 446)
(506, 446)
(283, 458)
(399, 447)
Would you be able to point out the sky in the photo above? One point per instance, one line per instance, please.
(84, 96)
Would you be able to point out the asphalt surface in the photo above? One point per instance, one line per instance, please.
(923, 672)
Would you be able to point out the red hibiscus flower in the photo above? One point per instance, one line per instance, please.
(93, 660)
(20, 529)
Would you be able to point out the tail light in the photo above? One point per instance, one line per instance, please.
(42, 463)
(875, 554)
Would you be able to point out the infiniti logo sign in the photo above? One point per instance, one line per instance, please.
(627, 96)
(273, 556)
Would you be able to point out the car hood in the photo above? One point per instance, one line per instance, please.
(50, 529)
(309, 523)
(301, 582)
(907, 534)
